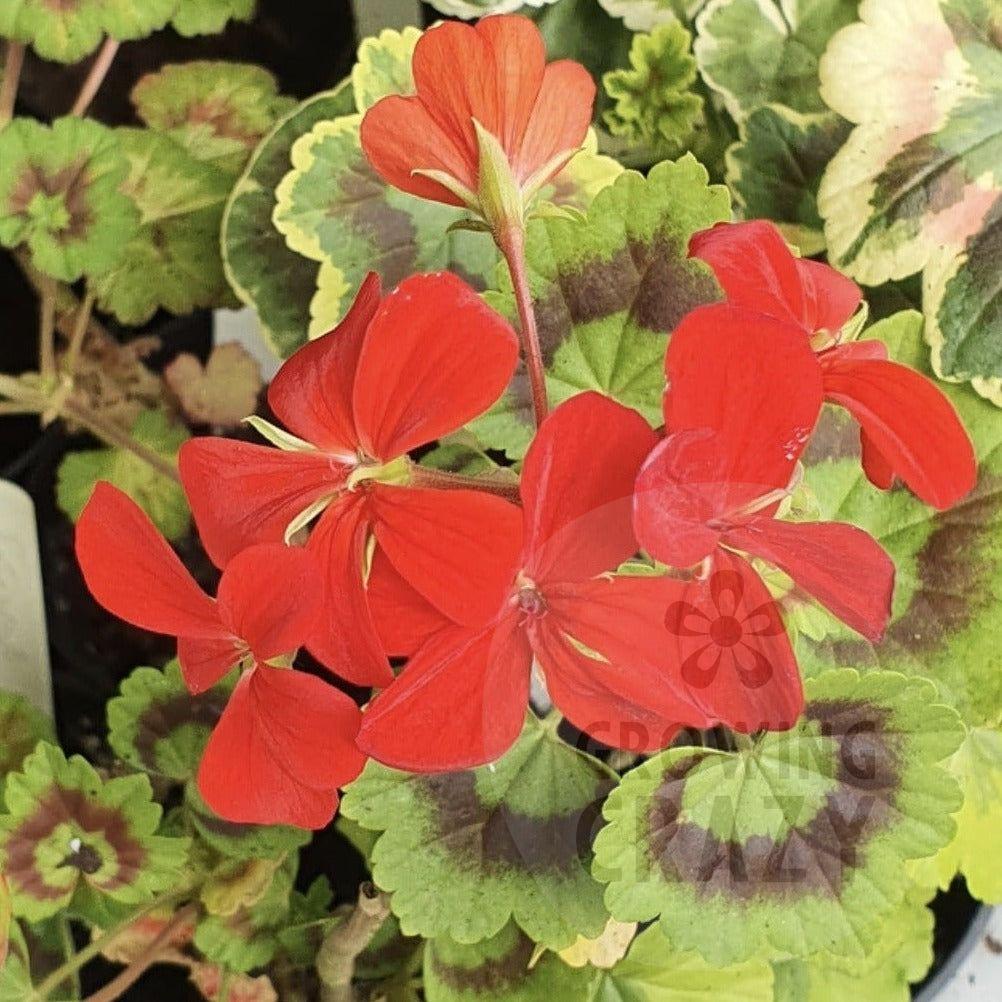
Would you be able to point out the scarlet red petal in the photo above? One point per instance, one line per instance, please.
(577, 488)
(909, 426)
(400, 136)
(134, 574)
(459, 549)
(242, 494)
(415, 379)
(312, 392)
(459, 703)
(270, 596)
(345, 639)
(560, 118)
(843, 567)
(404, 618)
(830, 299)
(206, 662)
(727, 644)
(283, 747)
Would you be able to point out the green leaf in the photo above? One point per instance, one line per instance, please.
(755, 52)
(464, 852)
(63, 32)
(654, 99)
(653, 972)
(220, 393)
(173, 262)
(775, 169)
(208, 17)
(218, 111)
(128, 20)
(157, 494)
(978, 768)
(607, 290)
(922, 81)
(944, 622)
(796, 845)
(21, 728)
(59, 195)
(646, 15)
(156, 725)
(67, 833)
(250, 938)
(384, 66)
(901, 955)
(15, 969)
(389, 952)
(498, 969)
(240, 841)
(263, 272)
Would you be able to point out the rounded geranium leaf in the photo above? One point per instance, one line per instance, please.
(59, 195)
(775, 170)
(207, 17)
(263, 272)
(646, 15)
(310, 918)
(797, 844)
(156, 725)
(944, 622)
(220, 393)
(240, 841)
(383, 66)
(127, 20)
(62, 32)
(66, 832)
(173, 260)
(464, 852)
(469, 9)
(21, 728)
(608, 290)
(653, 972)
(753, 52)
(654, 99)
(498, 968)
(218, 111)
(157, 494)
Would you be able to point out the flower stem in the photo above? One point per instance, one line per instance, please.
(81, 324)
(339, 951)
(11, 78)
(98, 71)
(426, 476)
(112, 435)
(47, 328)
(511, 243)
(46, 987)
(127, 978)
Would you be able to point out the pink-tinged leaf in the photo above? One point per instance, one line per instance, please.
(435, 357)
(242, 494)
(909, 428)
(271, 596)
(131, 570)
(312, 393)
(841, 566)
(726, 642)
(220, 393)
(459, 703)
(345, 638)
(577, 488)
(403, 617)
(459, 549)
(283, 747)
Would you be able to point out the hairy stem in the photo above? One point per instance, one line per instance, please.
(512, 245)
(81, 324)
(47, 328)
(426, 476)
(46, 987)
(98, 71)
(13, 64)
(339, 951)
(127, 978)
(118, 438)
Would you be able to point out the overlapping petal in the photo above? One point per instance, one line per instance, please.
(404, 619)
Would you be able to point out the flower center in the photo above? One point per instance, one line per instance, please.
(528, 597)
(396, 471)
(726, 631)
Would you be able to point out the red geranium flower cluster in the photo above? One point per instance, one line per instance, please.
(337, 540)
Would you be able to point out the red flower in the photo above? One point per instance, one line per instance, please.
(461, 701)
(908, 427)
(482, 90)
(744, 395)
(398, 372)
(286, 741)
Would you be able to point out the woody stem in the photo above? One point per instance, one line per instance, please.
(98, 71)
(11, 78)
(426, 476)
(81, 324)
(47, 328)
(337, 955)
(511, 242)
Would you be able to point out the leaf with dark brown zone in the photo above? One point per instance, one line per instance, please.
(22, 726)
(797, 844)
(67, 834)
(462, 853)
